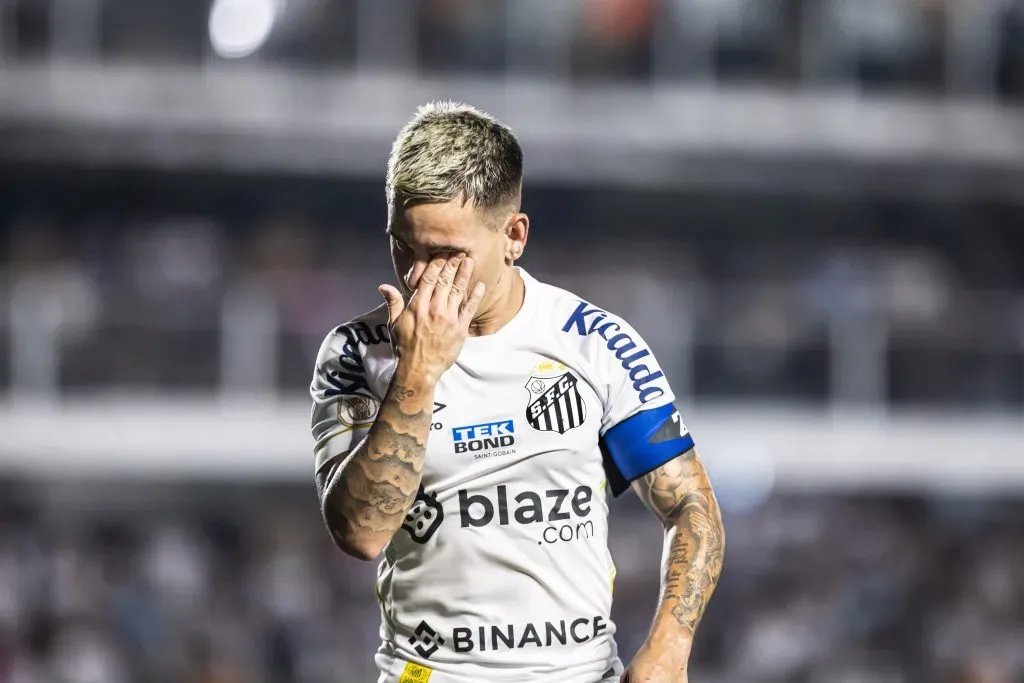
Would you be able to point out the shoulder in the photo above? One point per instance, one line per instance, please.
(357, 351)
(558, 307)
(593, 329)
(605, 343)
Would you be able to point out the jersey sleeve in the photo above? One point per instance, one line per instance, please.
(344, 402)
(640, 427)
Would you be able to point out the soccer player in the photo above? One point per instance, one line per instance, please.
(472, 427)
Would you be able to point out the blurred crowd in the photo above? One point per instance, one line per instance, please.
(920, 45)
(162, 282)
(237, 585)
(142, 284)
(929, 46)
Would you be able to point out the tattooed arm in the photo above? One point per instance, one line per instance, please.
(680, 493)
(366, 495)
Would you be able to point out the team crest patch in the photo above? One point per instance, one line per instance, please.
(555, 403)
(357, 411)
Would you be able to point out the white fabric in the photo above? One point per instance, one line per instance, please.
(520, 546)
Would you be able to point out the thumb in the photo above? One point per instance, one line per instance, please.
(396, 304)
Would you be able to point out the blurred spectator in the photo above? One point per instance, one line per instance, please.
(240, 300)
(859, 588)
(908, 45)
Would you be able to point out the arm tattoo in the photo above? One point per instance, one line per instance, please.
(369, 493)
(680, 493)
(402, 393)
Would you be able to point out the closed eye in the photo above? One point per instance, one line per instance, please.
(443, 251)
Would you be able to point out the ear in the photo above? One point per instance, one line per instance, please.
(517, 230)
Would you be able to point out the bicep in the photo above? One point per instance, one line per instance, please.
(672, 488)
(643, 443)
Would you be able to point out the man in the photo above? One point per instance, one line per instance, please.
(470, 428)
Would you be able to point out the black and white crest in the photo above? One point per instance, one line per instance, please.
(555, 403)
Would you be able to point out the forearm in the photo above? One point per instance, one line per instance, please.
(692, 564)
(371, 490)
(681, 495)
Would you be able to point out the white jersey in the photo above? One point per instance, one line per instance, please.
(502, 571)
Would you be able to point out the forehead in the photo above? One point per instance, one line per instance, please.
(444, 223)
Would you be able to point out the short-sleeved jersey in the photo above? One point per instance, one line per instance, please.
(501, 571)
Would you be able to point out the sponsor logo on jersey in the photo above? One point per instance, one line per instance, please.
(555, 403)
(485, 440)
(364, 334)
(437, 426)
(529, 635)
(587, 320)
(558, 515)
(424, 517)
(425, 640)
(357, 411)
(350, 378)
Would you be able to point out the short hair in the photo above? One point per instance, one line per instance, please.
(450, 150)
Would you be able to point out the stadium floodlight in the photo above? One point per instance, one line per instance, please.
(238, 28)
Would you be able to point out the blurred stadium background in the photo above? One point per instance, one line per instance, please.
(812, 209)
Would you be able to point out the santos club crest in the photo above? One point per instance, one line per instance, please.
(555, 401)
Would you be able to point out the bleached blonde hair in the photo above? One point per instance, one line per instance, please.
(453, 151)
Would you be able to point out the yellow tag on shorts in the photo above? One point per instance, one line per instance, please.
(414, 673)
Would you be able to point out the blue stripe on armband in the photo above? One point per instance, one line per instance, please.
(641, 444)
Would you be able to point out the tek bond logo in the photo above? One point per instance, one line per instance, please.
(485, 440)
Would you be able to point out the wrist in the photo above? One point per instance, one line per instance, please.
(668, 634)
(419, 379)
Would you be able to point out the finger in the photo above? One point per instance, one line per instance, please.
(446, 279)
(472, 304)
(428, 280)
(396, 304)
(460, 288)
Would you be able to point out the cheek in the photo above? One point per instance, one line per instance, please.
(490, 269)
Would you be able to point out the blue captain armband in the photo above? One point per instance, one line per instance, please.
(641, 444)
